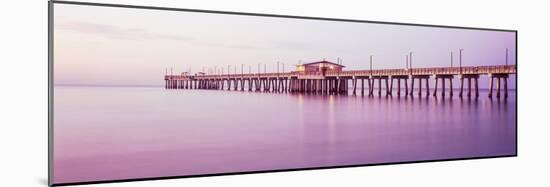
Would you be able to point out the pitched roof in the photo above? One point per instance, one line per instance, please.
(323, 62)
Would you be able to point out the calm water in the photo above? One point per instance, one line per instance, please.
(106, 133)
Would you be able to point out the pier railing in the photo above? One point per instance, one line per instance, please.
(480, 70)
(337, 81)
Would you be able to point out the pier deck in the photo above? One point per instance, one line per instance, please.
(337, 82)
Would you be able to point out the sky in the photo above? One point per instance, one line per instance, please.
(121, 46)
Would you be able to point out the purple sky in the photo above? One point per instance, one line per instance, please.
(120, 46)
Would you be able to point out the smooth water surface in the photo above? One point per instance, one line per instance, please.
(109, 133)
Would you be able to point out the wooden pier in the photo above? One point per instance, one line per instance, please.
(341, 82)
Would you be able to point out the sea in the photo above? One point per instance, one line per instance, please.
(124, 132)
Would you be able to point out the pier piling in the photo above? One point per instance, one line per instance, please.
(338, 82)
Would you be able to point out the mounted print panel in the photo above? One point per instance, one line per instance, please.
(151, 93)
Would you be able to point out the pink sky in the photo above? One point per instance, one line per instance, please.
(121, 46)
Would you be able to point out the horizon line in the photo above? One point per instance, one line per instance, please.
(108, 85)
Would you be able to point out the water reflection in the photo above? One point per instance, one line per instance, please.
(147, 132)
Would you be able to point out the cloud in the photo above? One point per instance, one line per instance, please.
(120, 33)
(113, 32)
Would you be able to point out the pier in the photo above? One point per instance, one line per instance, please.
(341, 82)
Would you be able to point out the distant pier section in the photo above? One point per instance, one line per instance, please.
(325, 77)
